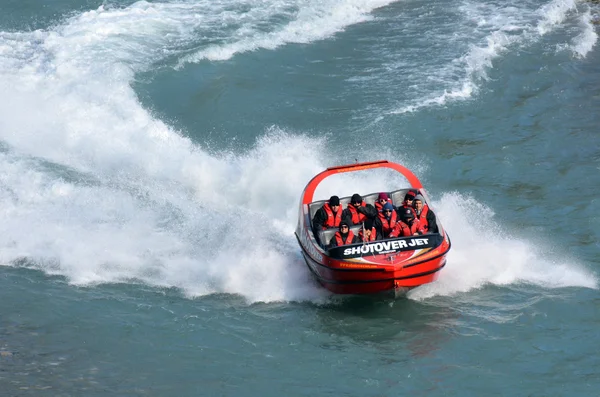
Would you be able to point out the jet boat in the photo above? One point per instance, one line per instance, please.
(393, 265)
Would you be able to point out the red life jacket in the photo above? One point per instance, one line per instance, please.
(403, 230)
(423, 218)
(387, 227)
(416, 227)
(373, 236)
(332, 220)
(340, 242)
(357, 217)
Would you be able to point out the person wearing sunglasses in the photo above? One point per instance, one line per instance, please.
(343, 236)
(409, 197)
(382, 200)
(387, 219)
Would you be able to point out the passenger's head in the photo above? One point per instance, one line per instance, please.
(387, 210)
(418, 202)
(344, 228)
(407, 215)
(356, 200)
(368, 224)
(383, 198)
(334, 201)
(409, 197)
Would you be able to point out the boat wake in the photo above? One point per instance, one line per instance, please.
(206, 237)
(513, 28)
(95, 189)
(486, 253)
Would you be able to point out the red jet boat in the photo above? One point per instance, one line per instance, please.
(393, 265)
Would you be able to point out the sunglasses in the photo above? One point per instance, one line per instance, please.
(344, 227)
(388, 211)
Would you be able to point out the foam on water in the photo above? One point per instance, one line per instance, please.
(553, 14)
(96, 189)
(305, 22)
(583, 43)
(485, 252)
(496, 30)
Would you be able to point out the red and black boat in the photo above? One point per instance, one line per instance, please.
(392, 265)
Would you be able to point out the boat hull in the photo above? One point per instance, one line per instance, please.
(343, 277)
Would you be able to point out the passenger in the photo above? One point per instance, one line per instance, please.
(408, 225)
(425, 215)
(358, 211)
(368, 232)
(343, 236)
(408, 200)
(329, 215)
(382, 199)
(386, 221)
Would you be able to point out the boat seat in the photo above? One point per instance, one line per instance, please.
(355, 229)
(344, 201)
(314, 207)
(371, 198)
(326, 235)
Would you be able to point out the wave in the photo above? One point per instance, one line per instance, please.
(498, 29)
(485, 253)
(302, 23)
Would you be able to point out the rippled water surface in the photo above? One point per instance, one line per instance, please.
(152, 155)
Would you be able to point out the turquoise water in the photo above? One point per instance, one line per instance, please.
(152, 155)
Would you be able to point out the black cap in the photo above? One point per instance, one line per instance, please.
(334, 200)
(368, 224)
(407, 213)
(356, 199)
(343, 223)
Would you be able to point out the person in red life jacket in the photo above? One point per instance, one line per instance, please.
(329, 215)
(386, 221)
(408, 225)
(382, 199)
(408, 200)
(368, 232)
(343, 236)
(425, 215)
(358, 211)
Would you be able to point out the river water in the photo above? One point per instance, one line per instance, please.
(152, 155)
